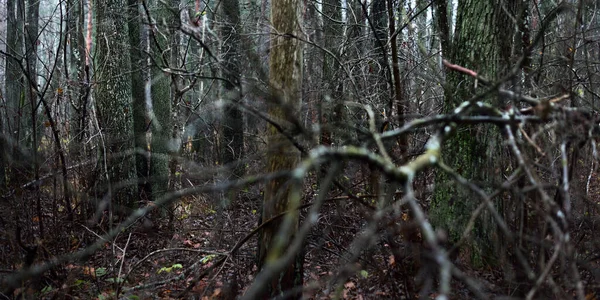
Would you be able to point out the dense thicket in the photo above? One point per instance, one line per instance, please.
(288, 149)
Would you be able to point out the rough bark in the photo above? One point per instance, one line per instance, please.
(233, 121)
(80, 88)
(285, 75)
(379, 26)
(482, 42)
(397, 102)
(29, 120)
(14, 80)
(113, 96)
(138, 74)
(177, 120)
(161, 118)
(331, 104)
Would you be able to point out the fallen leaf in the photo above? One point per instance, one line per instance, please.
(216, 293)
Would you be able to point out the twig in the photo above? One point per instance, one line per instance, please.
(547, 269)
(119, 280)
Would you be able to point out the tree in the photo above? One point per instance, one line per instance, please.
(331, 103)
(14, 79)
(233, 121)
(398, 102)
(30, 127)
(481, 42)
(378, 23)
(285, 78)
(515, 184)
(113, 98)
(164, 53)
(137, 42)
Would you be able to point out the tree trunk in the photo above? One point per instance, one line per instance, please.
(285, 74)
(160, 111)
(482, 42)
(397, 101)
(233, 121)
(113, 97)
(177, 120)
(138, 76)
(29, 118)
(331, 103)
(14, 80)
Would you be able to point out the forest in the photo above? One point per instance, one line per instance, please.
(288, 149)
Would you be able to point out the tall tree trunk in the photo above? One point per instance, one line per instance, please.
(397, 101)
(138, 79)
(331, 104)
(379, 25)
(14, 80)
(113, 97)
(482, 42)
(233, 121)
(78, 71)
(163, 93)
(285, 76)
(176, 122)
(29, 120)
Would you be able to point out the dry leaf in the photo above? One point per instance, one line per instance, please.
(216, 293)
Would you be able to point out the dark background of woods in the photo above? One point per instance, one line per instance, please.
(334, 148)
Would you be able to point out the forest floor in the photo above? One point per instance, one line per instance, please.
(192, 257)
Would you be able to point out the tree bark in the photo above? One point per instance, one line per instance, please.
(14, 80)
(138, 80)
(481, 42)
(233, 122)
(162, 97)
(331, 112)
(113, 97)
(285, 75)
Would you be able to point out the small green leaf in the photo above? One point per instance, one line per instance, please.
(47, 289)
(364, 273)
(79, 282)
(169, 269)
(113, 280)
(101, 272)
(207, 258)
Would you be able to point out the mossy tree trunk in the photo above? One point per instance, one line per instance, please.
(285, 74)
(162, 97)
(139, 74)
(113, 97)
(482, 42)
